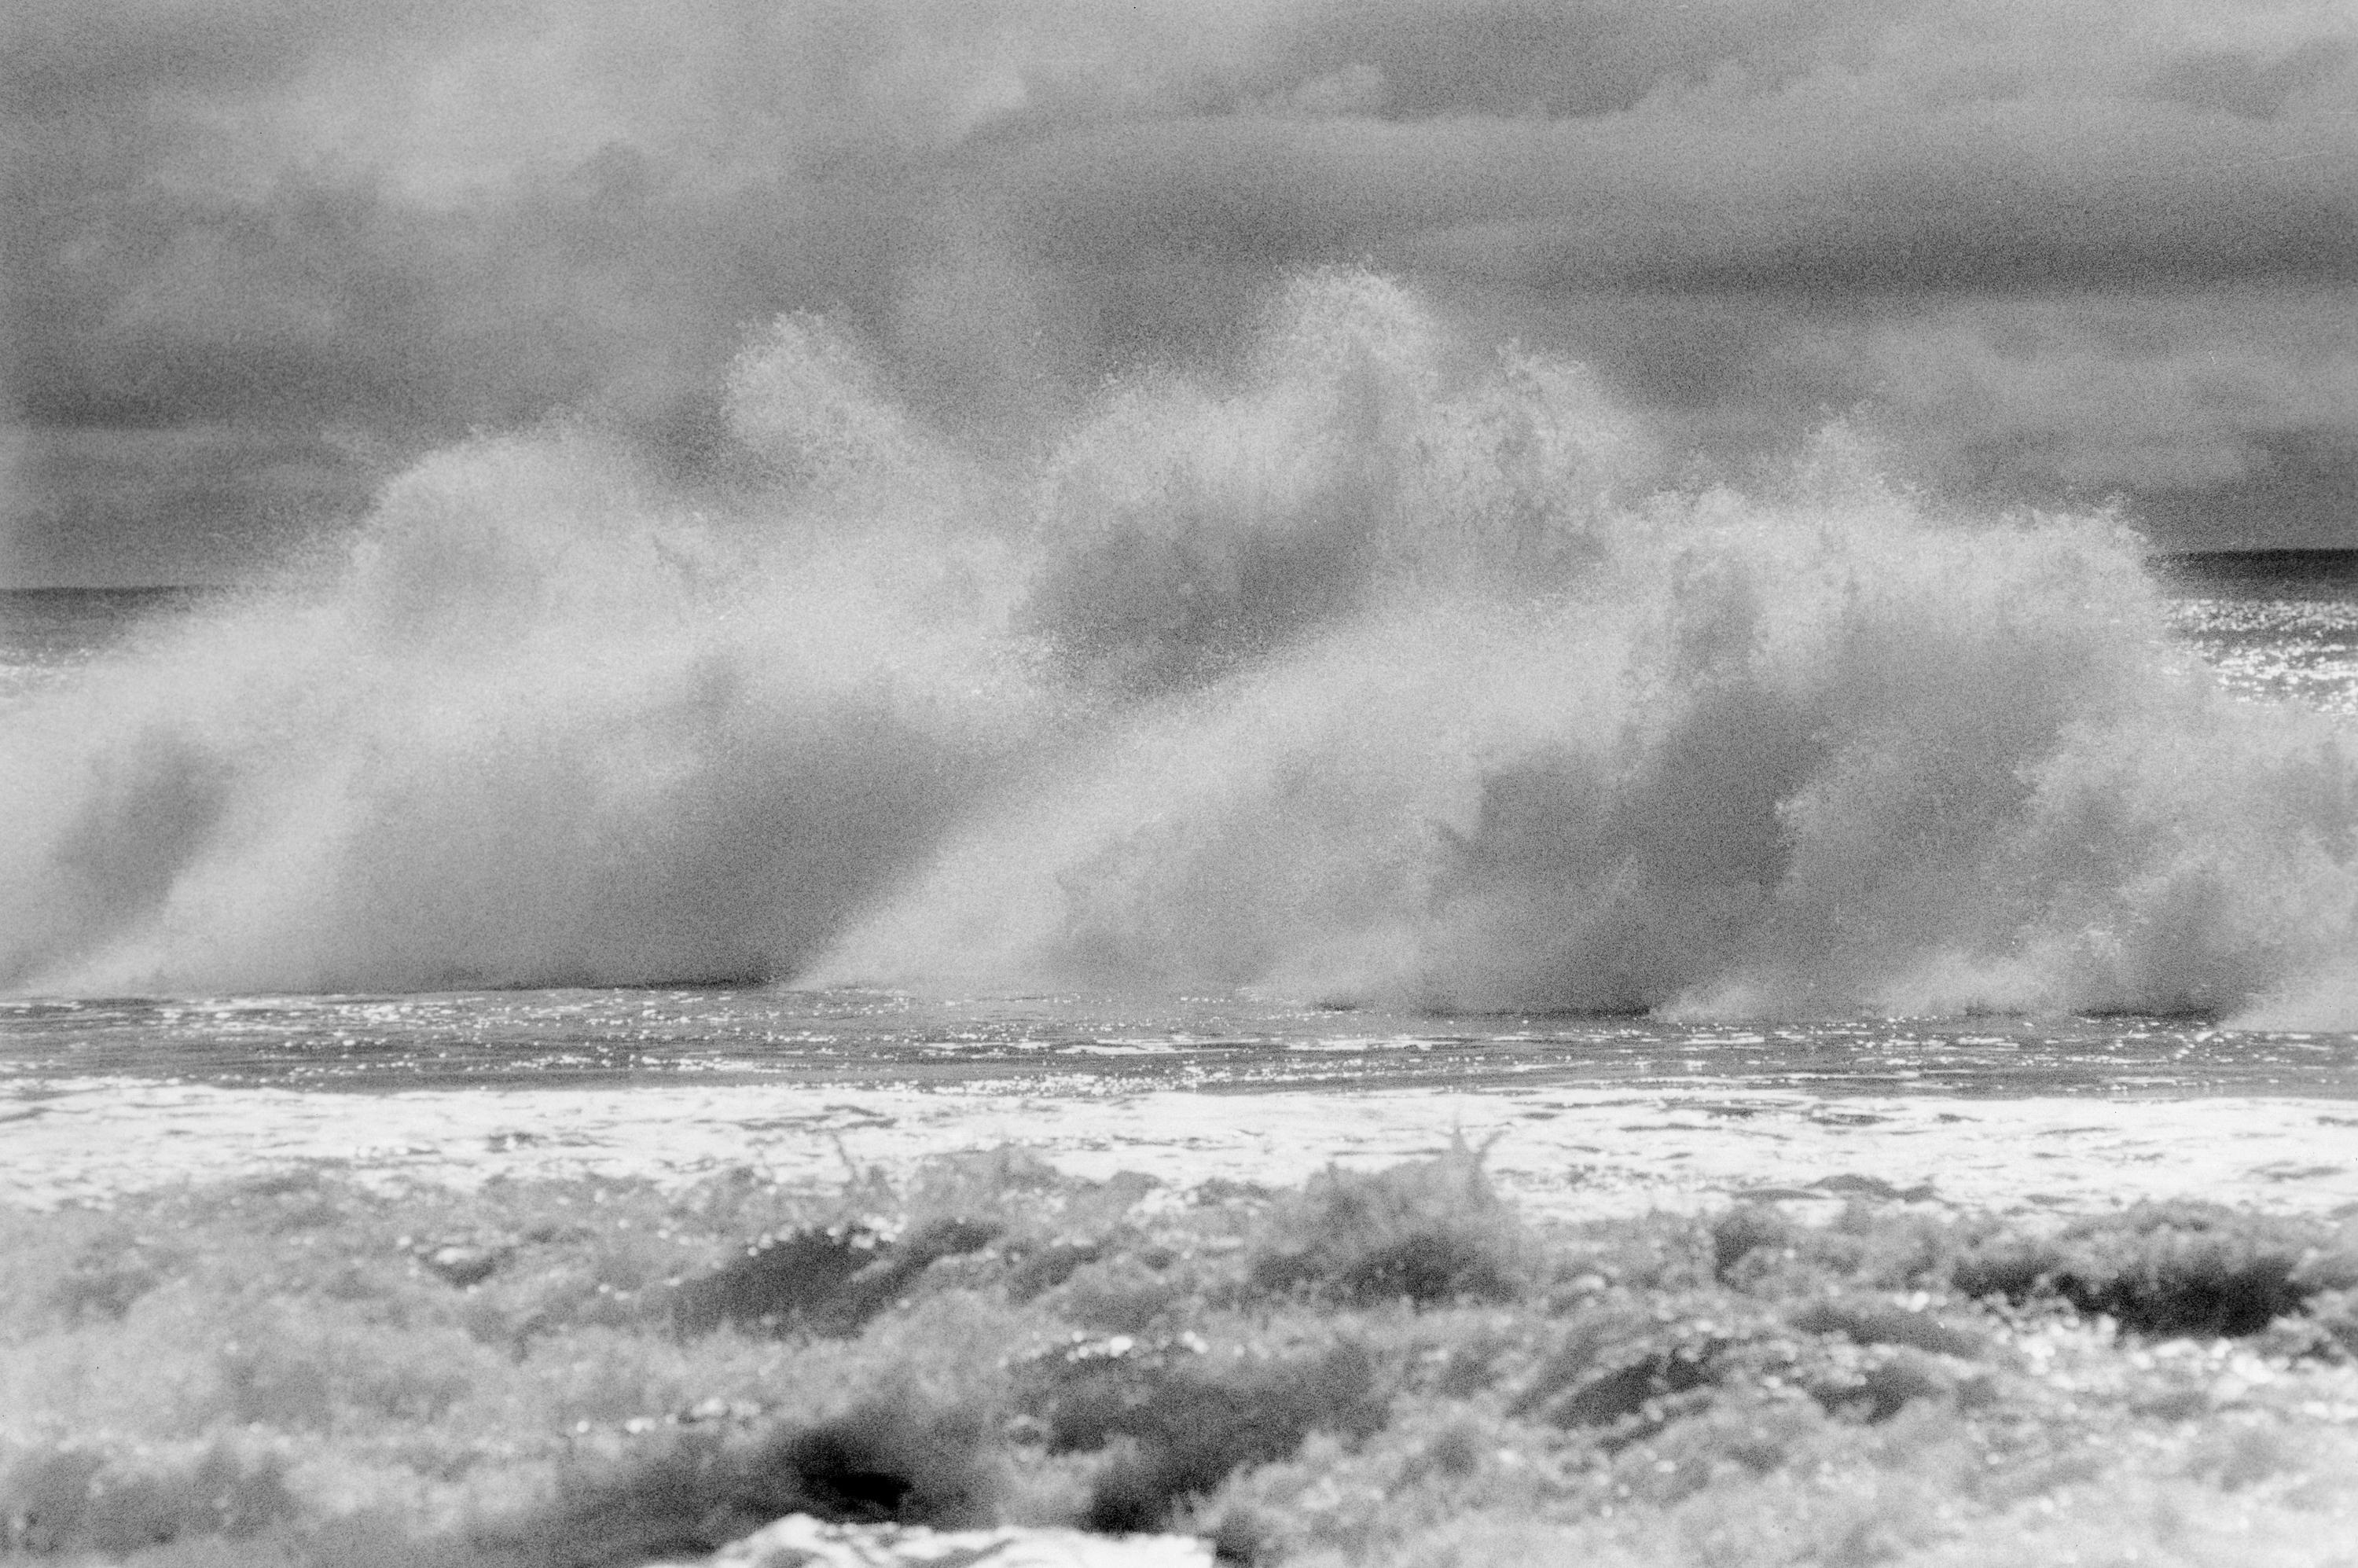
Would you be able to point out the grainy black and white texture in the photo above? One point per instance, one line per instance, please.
(262, 253)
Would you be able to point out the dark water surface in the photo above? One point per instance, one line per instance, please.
(1075, 1043)
(46, 633)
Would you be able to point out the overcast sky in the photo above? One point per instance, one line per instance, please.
(259, 252)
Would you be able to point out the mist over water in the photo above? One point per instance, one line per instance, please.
(1370, 665)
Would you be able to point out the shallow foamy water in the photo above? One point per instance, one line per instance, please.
(1584, 1117)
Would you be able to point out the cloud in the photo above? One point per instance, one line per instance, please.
(2061, 247)
(2177, 394)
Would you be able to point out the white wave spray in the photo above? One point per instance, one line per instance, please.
(1375, 667)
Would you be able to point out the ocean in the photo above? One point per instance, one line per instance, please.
(864, 977)
(1359, 725)
(2275, 627)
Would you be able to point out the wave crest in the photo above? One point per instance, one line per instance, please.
(1375, 665)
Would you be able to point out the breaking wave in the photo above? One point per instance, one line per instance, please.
(1371, 666)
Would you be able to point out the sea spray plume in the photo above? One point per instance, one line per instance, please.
(1196, 523)
(807, 405)
(1799, 753)
(1216, 554)
(1845, 755)
(1828, 716)
(1186, 530)
(1372, 667)
(548, 725)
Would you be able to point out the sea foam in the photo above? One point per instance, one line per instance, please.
(1371, 664)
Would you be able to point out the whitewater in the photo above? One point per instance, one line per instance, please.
(1361, 740)
(1369, 667)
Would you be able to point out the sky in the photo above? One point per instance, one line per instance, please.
(259, 254)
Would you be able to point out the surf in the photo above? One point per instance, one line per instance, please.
(1370, 663)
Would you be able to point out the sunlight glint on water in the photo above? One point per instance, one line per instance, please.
(2273, 626)
(1090, 1044)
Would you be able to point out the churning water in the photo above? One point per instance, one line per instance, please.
(1371, 708)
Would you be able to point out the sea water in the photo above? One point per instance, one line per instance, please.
(1375, 712)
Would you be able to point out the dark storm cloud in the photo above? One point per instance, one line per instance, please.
(2058, 248)
(1751, 201)
(72, 62)
(2228, 82)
